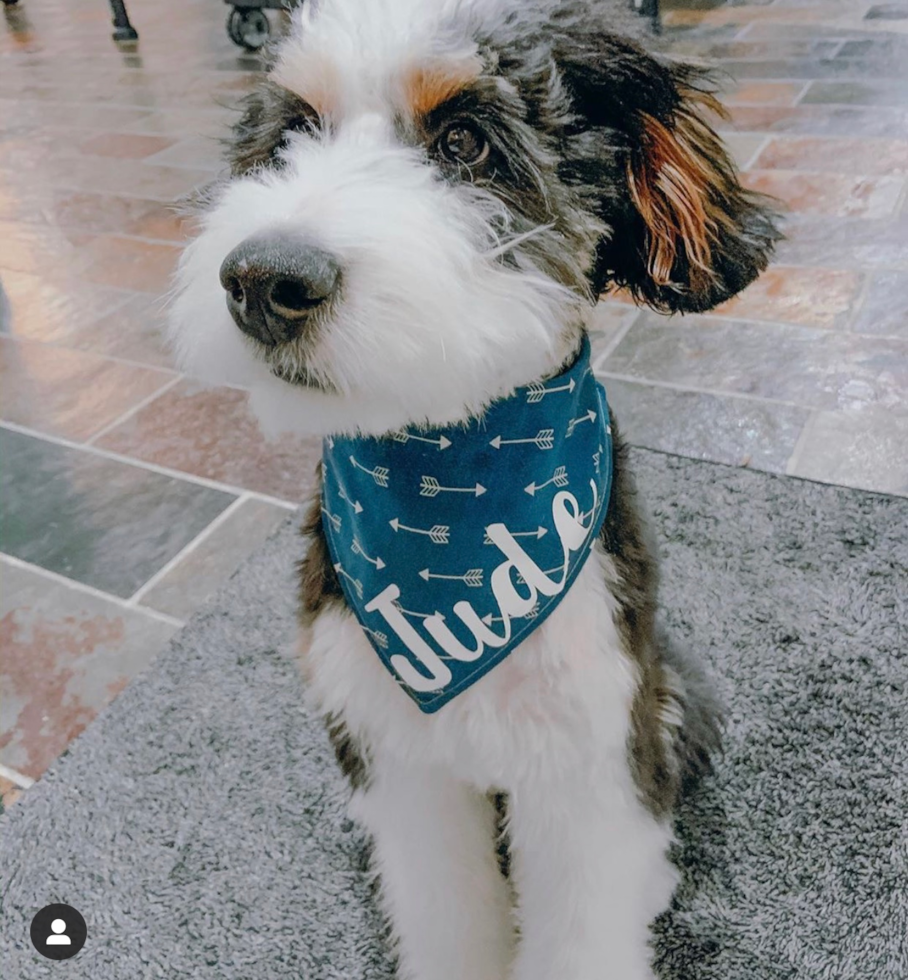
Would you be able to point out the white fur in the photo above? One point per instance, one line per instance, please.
(549, 726)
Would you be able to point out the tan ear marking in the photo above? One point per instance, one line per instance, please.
(678, 184)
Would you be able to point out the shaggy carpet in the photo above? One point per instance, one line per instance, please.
(198, 824)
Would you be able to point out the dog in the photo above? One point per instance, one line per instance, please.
(425, 199)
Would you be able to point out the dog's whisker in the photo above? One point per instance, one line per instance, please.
(511, 243)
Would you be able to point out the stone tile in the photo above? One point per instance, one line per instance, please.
(9, 793)
(31, 248)
(863, 446)
(66, 655)
(766, 93)
(198, 576)
(822, 120)
(852, 243)
(98, 521)
(606, 324)
(887, 11)
(807, 366)
(857, 93)
(49, 309)
(743, 147)
(194, 151)
(884, 309)
(832, 194)
(112, 213)
(816, 297)
(113, 260)
(124, 146)
(69, 393)
(736, 431)
(845, 156)
(210, 432)
(134, 331)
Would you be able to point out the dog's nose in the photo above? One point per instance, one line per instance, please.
(274, 282)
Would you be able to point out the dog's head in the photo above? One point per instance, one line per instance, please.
(425, 193)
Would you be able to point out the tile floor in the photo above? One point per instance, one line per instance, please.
(129, 493)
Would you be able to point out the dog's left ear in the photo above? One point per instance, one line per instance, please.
(685, 235)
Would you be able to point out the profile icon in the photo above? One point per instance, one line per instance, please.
(58, 931)
(58, 935)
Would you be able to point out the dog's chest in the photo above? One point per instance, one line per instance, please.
(569, 684)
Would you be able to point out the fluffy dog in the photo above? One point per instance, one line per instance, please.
(425, 197)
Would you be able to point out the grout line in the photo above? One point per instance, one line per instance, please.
(801, 443)
(20, 779)
(201, 481)
(752, 159)
(714, 392)
(205, 533)
(803, 92)
(128, 414)
(87, 589)
(610, 347)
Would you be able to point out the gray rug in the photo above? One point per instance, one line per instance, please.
(198, 824)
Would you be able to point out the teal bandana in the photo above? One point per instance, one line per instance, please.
(453, 544)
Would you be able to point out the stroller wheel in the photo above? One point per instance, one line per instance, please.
(248, 27)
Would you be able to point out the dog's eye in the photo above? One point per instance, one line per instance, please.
(463, 143)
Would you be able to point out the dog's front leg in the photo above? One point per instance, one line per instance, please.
(435, 852)
(591, 873)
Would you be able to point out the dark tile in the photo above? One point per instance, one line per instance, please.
(736, 431)
(843, 244)
(884, 310)
(66, 655)
(856, 93)
(98, 521)
(887, 11)
(213, 561)
(806, 366)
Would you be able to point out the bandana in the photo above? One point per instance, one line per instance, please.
(453, 544)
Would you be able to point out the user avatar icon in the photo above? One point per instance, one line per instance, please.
(58, 931)
(59, 938)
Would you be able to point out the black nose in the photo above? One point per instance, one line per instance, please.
(274, 282)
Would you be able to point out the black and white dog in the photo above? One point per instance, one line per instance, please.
(426, 197)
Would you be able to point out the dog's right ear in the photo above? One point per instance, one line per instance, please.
(684, 234)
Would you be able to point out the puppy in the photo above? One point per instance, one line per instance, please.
(425, 198)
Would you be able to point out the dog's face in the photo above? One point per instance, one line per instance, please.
(424, 194)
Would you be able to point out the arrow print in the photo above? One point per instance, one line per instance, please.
(589, 416)
(472, 578)
(540, 532)
(544, 439)
(430, 487)
(537, 390)
(437, 534)
(403, 436)
(333, 518)
(357, 549)
(380, 638)
(379, 474)
(559, 478)
(355, 582)
(355, 504)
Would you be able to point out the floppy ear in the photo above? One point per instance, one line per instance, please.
(685, 235)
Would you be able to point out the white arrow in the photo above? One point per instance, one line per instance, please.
(430, 487)
(472, 578)
(537, 390)
(380, 638)
(540, 532)
(596, 458)
(357, 549)
(379, 474)
(330, 442)
(437, 534)
(403, 436)
(544, 439)
(488, 620)
(335, 520)
(410, 612)
(355, 504)
(559, 478)
(590, 416)
(355, 582)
